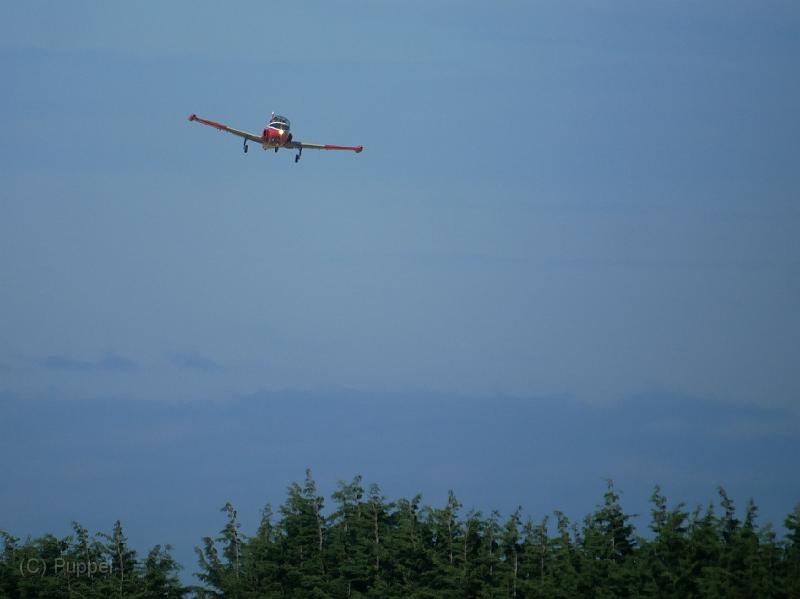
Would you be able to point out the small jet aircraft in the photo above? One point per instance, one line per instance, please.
(276, 135)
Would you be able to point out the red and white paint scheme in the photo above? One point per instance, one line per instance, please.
(276, 135)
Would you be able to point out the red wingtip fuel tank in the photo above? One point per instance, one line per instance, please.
(355, 149)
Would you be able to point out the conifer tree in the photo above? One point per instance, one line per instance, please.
(378, 517)
(224, 573)
(412, 554)
(160, 575)
(231, 542)
(211, 569)
(745, 561)
(791, 569)
(708, 577)
(666, 555)
(122, 559)
(565, 558)
(491, 555)
(303, 535)
(511, 548)
(607, 542)
(84, 550)
(262, 559)
(473, 559)
(537, 561)
(9, 565)
(347, 546)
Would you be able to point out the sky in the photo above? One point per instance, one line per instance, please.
(573, 224)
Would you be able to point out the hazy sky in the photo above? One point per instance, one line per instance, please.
(592, 203)
(563, 198)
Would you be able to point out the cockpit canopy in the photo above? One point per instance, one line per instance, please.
(279, 122)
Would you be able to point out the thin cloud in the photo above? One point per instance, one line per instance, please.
(192, 361)
(108, 363)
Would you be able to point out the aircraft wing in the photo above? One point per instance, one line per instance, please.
(297, 145)
(221, 127)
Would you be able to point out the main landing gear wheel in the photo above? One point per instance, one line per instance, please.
(245, 146)
(299, 153)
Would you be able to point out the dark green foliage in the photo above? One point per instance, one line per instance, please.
(160, 575)
(82, 566)
(607, 545)
(368, 547)
(790, 564)
(666, 559)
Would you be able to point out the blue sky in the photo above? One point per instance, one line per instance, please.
(563, 210)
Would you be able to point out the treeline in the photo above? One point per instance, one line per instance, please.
(368, 546)
(80, 565)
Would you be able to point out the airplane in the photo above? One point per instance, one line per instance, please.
(276, 135)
